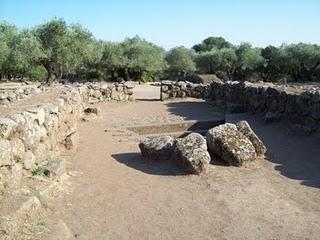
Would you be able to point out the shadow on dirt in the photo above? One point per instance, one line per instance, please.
(148, 99)
(297, 157)
(135, 161)
(192, 110)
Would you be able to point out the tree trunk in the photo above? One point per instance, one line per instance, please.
(126, 74)
(60, 72)
(51, 75)
(305, 74)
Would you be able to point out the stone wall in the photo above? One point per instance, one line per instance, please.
(33, 137)
(8, 96)
(174, 89)
(300, 106)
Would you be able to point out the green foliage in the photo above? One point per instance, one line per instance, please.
(181, 63)
(218, 61)
(249, 60)
(211, 43)
(40, 171)
(134, 58)
(56, 50)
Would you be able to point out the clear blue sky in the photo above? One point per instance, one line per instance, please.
(171, 23)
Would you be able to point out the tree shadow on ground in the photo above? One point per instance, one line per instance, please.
(135, 161)
(296, 157)
(192, 110)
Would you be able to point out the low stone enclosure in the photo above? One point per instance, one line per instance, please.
(31, 140)
(299, 106)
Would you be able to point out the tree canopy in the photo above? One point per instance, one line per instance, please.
(58, 50)
(180, 60)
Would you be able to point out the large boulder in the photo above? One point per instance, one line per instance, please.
(245, 129)
(230, 145)
(191, 153)
(157, 148)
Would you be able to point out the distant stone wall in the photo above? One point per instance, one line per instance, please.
(174, 89)
(8, 96)
(110, 91)
(35, 136)
(301, 106)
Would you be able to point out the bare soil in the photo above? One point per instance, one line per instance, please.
(116, 195)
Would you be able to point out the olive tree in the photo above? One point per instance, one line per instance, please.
(142, 57)
(301, 61)
(8, 34)
(180, 60)
(211, 43)
(248, 61)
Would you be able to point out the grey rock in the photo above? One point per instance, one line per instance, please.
(191, 153)
(157, 148)
(71, 141)
(97, 94)
(129, 84)
(230, 145)
(55, 168)
(245, 129)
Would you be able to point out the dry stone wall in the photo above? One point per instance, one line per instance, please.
(35, 136)
(174, 89)
(301, 107)
(8, 96)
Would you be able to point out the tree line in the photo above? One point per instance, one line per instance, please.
(57, 50)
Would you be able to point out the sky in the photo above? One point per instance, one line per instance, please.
(171, 23)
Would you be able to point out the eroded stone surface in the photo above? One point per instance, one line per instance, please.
(230, 145)
(244, 128)
(157, 148)
(191, 153)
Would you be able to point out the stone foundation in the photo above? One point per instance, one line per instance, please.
(34, 137)
(8, 96)
(301, 106)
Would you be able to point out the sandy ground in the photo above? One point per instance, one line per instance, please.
(117, 195)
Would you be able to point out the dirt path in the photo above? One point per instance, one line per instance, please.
(118, 196)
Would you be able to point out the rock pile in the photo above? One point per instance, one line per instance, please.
(8, 96)
(110, 91)
(235, 144)
(174, 89)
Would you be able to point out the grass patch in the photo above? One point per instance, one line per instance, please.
(40, 171)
